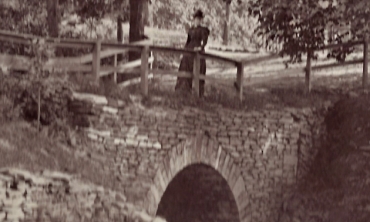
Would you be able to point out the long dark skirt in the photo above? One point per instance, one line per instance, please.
(186, 65)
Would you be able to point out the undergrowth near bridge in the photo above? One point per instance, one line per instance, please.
(337, 187)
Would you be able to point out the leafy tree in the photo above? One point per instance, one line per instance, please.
(91, 12)
(300, 25)
(40, 52)
(357, 14)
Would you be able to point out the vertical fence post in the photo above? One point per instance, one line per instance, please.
(115, 66)
(96, 59)
(151, 64)
(239, 79)
(144, 70)
(196, 71)
(308, 72)
(366, 62)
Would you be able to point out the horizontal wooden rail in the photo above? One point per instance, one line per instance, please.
(14, 40)
(294, 72)
(106, 70)
(171, 50)
(116, 45)
(172, 73)
(204, 55)
(333, 65)
(143, 42)
(26, 39)
(112, 52)
(134, 80)
(260, 59)
(73, 45)
(346, 44)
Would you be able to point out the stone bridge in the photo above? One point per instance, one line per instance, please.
(193, 165)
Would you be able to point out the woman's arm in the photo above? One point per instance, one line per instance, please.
(205, 37)
(188, 40)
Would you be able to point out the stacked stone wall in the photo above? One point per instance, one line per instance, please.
(272, 148)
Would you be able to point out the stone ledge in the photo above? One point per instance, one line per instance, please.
(26, 197)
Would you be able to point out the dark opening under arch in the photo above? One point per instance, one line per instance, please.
(198, 193)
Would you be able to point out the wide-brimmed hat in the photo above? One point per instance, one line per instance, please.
(198, 14)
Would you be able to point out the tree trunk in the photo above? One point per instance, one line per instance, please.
(150, 14)
(137, 22)
(53, 17)
(226, 24)
(146, 12)
(119, 36)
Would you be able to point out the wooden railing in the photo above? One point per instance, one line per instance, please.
(103, 49)
(365, 60)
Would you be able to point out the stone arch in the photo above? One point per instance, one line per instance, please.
(195, 150)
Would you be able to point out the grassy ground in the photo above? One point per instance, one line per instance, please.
(283, 93)
(22, 146)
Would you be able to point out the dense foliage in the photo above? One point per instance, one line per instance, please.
(302, 25)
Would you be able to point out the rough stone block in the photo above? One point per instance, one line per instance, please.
(237, 120)
(236, 141)
(132, 142)
(110, 110)
(92, 136)
(223, 140)
(245, 215)
(290, 160)
(243, 200)
(157, 145)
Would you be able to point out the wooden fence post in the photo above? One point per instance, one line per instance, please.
(308, 72)
(365, 65)
(115, 66)
(196, 71)
(96, 59)
(239, 79)
(144, 70)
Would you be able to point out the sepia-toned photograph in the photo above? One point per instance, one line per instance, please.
(184, 111)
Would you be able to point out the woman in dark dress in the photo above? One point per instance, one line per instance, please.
(197, 40)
